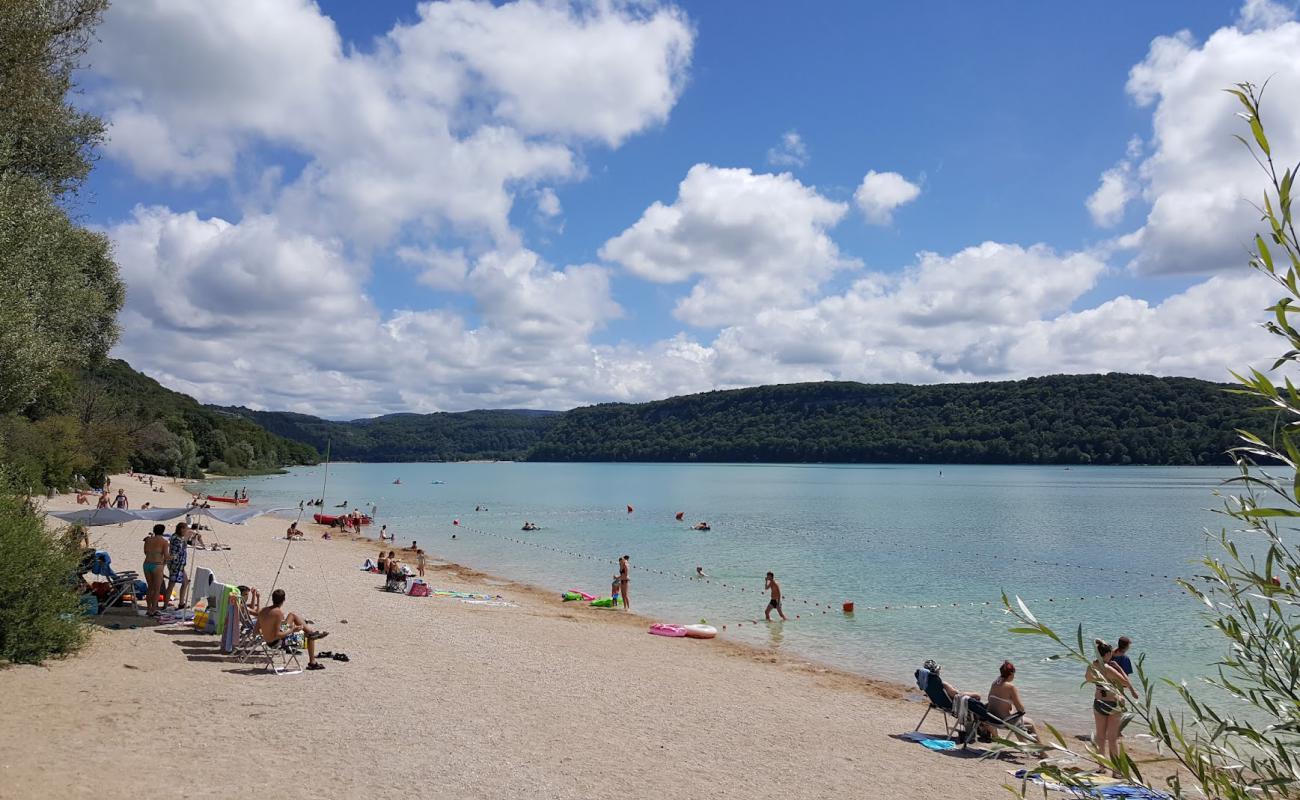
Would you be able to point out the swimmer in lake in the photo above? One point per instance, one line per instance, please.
(699, 572)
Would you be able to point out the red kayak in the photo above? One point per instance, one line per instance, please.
(329, 519)
(220, 499)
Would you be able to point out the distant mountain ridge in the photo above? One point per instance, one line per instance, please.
(1060, 419)
(499, 434)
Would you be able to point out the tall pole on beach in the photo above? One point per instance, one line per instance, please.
(328, 441)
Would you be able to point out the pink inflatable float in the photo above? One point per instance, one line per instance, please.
(664, 629)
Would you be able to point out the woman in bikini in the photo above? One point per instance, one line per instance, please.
(156, 549)
(1107, 703)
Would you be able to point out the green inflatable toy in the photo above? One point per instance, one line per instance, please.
(604, 602)
(568, 596)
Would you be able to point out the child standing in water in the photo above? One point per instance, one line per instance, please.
(613, 589)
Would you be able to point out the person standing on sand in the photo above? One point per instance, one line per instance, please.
(156, 549)
(420, 562)
(624, 579)
(770, 584)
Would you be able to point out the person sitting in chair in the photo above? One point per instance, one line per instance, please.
(252, 599)
(948, 689)
(287, 629)
(1004, 701)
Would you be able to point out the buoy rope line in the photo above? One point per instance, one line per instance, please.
(825, 608)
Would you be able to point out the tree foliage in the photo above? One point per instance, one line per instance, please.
(1061, 419)
(40, 613)
(1248, 747)
(58, 284)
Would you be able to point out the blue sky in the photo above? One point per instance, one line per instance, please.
(1003, 116)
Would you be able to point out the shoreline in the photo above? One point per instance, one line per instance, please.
(530, 698)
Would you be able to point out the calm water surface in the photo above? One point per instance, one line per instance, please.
(877, 535)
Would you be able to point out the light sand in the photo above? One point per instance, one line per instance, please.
(448, 699)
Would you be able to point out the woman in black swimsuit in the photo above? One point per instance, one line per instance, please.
(1107, 703)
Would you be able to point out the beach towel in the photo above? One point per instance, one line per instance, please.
(939, 744)
(1103, 787)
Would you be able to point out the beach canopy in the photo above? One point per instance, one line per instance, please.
(117, 516)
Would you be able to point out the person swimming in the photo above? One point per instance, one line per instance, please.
(702, 526)
(699, 572)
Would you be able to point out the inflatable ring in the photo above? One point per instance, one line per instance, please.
(700, 631)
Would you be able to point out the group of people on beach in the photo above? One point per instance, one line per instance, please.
(1108, 673)
(165, 559)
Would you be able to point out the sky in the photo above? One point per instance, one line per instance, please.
(350, 209)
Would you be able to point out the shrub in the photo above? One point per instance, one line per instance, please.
(40, 612)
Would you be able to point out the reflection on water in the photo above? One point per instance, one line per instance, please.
(925, 558)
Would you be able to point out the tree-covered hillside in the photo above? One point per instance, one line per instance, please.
(1062, 419)
(109, 417)
(504, 434)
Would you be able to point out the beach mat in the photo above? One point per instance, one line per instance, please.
(1102, 787)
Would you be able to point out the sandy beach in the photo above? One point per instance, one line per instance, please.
(443, 698)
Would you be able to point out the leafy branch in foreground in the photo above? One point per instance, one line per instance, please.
(1249, 589)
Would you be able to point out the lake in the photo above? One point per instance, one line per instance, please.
(936, 544)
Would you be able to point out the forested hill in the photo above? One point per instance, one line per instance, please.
(1061, 419)
(457, 436)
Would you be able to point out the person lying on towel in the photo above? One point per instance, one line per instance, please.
(287, 629)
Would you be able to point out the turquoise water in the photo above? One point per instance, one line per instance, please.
(1067, 540)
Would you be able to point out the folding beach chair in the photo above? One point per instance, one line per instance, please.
(932, 686)
(280, 658)
(120, 585)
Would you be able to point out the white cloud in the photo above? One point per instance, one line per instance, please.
(412, 155)
(880, 193)
(1198, 182)
(790, 152)
(548, 203)
(1263, 14)
(753, 241)
(434, 127)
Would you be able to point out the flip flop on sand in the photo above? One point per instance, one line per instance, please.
(315, 665)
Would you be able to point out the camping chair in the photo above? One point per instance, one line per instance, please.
(250, 644)
(932, 686)
(120, 585)
(395, 582)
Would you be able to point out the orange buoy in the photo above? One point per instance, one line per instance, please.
(629, 509)
(848, 606)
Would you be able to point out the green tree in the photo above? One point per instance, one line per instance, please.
(58, 283)
(40, 614)
(1251, 588)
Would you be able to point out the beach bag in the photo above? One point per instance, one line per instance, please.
(419, 589)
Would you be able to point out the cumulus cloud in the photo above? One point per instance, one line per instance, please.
(412, 154)
(790, 152)
(1263, 14)
(751, 241)
(433, 127)
(1198, 184)
(880, 193)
